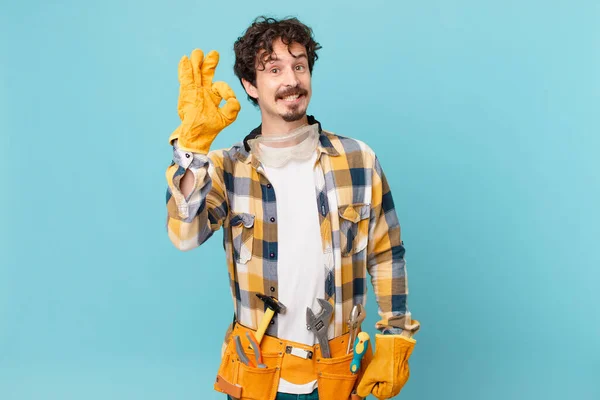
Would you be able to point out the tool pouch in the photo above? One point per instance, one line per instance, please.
(244, 382)
(334, 379)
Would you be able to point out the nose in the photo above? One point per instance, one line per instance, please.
(290, 78)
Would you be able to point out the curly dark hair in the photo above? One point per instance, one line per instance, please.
(260, 36)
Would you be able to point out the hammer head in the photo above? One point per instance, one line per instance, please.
(272, 303)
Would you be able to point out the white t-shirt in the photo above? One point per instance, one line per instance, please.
(300, 266)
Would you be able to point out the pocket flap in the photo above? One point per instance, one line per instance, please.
(242, 219)
(354, 212)
(232, 390)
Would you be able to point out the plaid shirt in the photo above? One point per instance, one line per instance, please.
(359, 227)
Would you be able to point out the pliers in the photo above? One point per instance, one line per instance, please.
(357, 316)
(255, 347)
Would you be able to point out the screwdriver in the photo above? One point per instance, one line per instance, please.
(360, 348)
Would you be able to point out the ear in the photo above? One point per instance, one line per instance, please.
(250, 89)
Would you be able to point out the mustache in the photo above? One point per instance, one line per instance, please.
(292, 91)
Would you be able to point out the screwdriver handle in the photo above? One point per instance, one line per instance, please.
(360, 348)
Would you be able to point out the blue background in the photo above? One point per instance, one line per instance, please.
(484, 115)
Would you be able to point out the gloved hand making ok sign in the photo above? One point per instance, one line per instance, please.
(199, 99)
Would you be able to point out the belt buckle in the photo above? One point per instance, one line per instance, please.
(295, 351)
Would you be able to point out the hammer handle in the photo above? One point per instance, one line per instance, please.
(264, 324)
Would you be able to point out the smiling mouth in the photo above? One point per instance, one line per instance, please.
(291, 98)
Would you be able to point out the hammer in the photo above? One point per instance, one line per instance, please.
(273, 307)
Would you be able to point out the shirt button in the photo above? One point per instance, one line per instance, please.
(272, 321)
(187, 155)
(272, 219)
(272, 255)
(269, 186)
(272, 289)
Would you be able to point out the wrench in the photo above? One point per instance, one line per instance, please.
(357, 316)
(319, 325)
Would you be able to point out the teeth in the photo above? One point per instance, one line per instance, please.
(290, 98)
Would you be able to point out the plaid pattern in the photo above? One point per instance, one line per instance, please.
(359, 227)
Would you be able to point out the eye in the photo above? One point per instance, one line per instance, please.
(300, 67)
(274, 70)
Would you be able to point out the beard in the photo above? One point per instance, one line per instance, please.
(296, 113)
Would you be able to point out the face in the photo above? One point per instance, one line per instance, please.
(283, 86)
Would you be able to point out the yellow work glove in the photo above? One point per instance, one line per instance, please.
(199, 99)
(388, 371)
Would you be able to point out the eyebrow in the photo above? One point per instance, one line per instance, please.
(299, 55)
(296, 56)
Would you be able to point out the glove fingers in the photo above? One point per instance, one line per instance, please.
(366, 383)
(197, 56)
(208, 67)
(223, 90)
(230, 109)
(364, 388)
(186, 76)
(382, 391)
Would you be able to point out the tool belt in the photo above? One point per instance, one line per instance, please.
(295, 362)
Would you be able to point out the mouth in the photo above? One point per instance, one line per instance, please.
(292, 98)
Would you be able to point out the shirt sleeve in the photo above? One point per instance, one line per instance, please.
(385, 261)
(193, 219)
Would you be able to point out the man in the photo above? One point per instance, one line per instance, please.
(305, 213)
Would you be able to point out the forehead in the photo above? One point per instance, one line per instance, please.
(282, 51)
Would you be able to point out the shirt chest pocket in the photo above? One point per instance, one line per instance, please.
(354, 228)
(242, 234)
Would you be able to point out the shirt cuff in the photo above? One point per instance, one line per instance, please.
(187, 159)
(392, 331)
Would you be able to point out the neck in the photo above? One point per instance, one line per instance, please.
(278, 127)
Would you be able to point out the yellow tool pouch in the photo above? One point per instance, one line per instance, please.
(333, 376)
